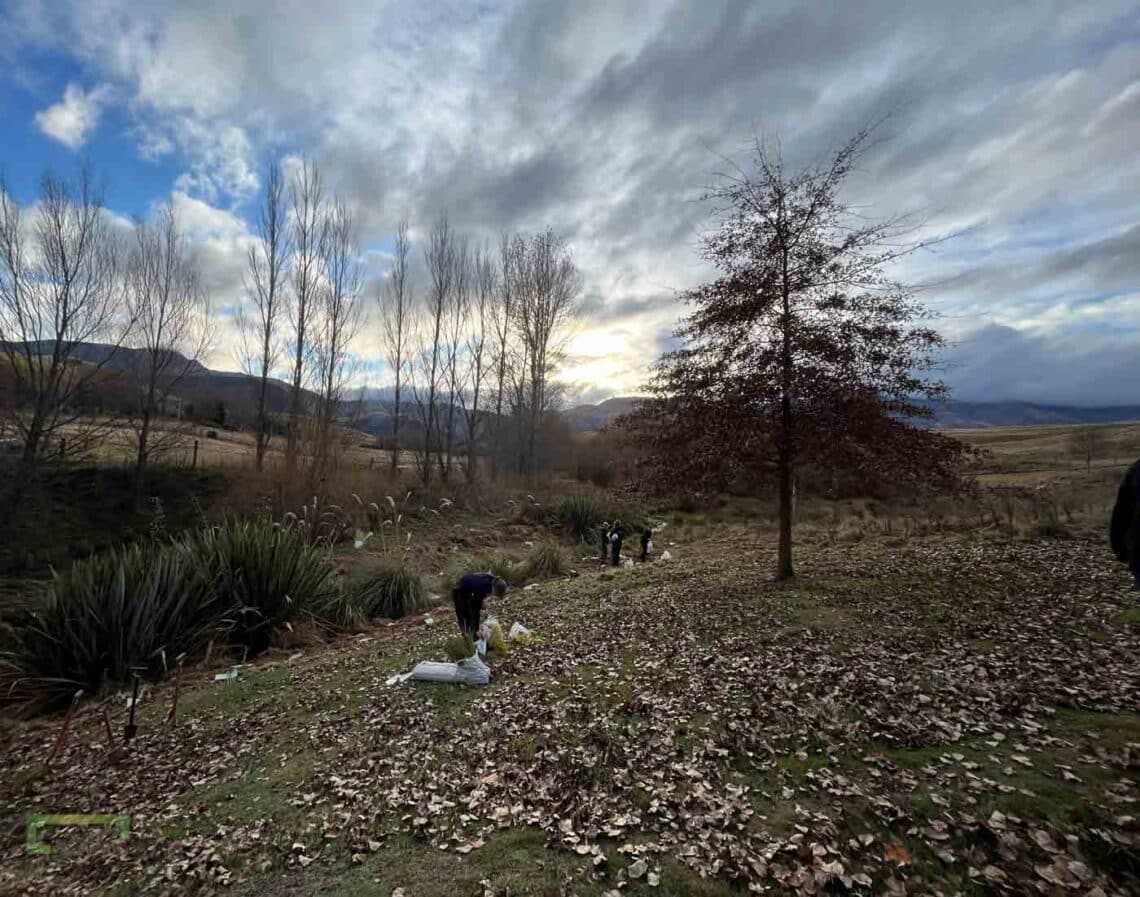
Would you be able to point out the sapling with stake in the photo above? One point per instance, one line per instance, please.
(131, 729)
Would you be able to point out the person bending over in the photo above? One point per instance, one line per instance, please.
(469, 594)
(1124, 530)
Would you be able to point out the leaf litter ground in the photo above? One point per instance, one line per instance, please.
(946, 716)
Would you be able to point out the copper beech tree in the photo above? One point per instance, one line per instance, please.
(803, 351)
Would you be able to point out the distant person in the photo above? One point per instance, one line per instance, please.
(469, 594)
(1124, 530)
(617, 534)
(646, 543)
(605, 543)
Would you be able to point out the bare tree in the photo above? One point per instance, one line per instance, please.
(419, 382)
(1088, 442)
(339, 322)
(502, 315)
(169, 307)
(307, 239)
(396, 325)
(548, 287)
(59, 289)
(441, 275)
(456, 317)
(485, 272)
(266, 265)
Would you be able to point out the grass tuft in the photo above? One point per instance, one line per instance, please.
(390, 592)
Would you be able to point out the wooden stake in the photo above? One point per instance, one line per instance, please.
(107, 727)
(172, 716)
(131, 729)
(59, 739)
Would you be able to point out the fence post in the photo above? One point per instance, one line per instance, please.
(194, 463)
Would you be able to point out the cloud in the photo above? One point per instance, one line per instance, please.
(72, 120)
(1000, 363)
(1013, 125)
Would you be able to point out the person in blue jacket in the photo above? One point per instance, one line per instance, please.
(468, 596)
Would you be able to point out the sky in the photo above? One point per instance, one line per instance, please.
(1013, 126)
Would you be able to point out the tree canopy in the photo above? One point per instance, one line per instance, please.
(802, 351)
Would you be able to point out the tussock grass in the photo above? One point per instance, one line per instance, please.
(390, 592)
(132, 610)
(264, 574)
(578, 515)
(135, 610)
(499, 565)
(544, 562)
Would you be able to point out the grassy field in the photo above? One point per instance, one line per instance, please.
(945, 700)
(1034, 454)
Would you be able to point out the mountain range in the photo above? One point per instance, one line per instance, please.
(239, 393)
(951, 415)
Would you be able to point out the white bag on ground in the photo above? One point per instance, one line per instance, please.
(518, 631)
(470, 671)
(666, 556)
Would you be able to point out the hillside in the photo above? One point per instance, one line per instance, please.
(238, 391)
(952, 415)
(1020, 414)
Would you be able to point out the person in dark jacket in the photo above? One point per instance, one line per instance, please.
(1124, 530)
(646, 540)
(617, 534)
(469, 594)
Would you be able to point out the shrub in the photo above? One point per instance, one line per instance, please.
(129, 610)
(390, 592)
(544, 562)
(264, 574)
(578, 515)
(597, 470)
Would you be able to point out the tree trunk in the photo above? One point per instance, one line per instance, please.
(472, 427)
(26, 469)
(141, 460)
(786, 449)
(396, 432)
(445, 458)
(498, 432)
(262, 424)
(293, 436)
(784, 569)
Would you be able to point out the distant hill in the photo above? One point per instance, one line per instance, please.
(957, 415)
(594, 417)
(199, 386)
(952, 415)
(239, 392)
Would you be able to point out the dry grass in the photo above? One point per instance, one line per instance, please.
(1033, 454)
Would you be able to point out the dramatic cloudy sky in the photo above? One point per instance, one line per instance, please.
(1016, 125)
